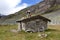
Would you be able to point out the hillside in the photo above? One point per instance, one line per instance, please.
(54, 17)
(45, 8)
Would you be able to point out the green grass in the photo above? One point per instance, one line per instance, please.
(6, 34)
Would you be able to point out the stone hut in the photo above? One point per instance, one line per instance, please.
(33, 23)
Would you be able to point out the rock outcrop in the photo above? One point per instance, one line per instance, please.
(43, 6)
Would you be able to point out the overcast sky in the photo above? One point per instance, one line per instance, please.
(11, 6)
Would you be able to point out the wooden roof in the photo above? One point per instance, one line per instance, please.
(33, 18)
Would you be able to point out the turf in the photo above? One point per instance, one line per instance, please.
(6, 34)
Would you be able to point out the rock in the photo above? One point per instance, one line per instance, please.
(39, 35)
(42, 35)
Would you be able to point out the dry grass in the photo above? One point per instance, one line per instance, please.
(5, 33)
(56, 27)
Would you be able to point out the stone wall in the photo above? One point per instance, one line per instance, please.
(58, 1)
(36, 25)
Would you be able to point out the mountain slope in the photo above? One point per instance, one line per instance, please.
(44, 8)
(54, 17)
